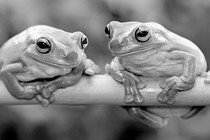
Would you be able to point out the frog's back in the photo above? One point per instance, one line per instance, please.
(188, 46)
(182, 44)
(11, 49)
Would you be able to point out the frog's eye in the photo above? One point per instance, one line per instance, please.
(142, 34)
(84, 42)
(107, 31)
(43, 45)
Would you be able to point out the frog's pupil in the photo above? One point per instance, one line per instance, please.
(107, 31)
(43, 45)
(142, 33)
(85, 41)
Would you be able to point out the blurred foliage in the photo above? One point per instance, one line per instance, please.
(186, 18)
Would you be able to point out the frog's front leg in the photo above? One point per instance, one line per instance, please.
(90, 68)
(24, 91)
(131, 84)
(46, 90)
(179, 83)
(17, 89)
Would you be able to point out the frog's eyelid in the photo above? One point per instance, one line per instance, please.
(44, 39)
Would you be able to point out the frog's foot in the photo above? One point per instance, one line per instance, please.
(146, 117)
(206, 75)
(91, 68)
(171, 87)
(47, 89)
(193, 111)
(45, 94)
(131, 85)
(24, 91)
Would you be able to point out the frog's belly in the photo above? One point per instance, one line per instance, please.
(157, 71)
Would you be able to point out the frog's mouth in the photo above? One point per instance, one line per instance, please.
(135, 50)
(53, 63)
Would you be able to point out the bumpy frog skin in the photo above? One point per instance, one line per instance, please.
(149, 49)
(42, 59)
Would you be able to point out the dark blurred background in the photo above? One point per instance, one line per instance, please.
(186, 18)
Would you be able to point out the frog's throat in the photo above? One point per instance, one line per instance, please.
(55, 64)
(134, 51)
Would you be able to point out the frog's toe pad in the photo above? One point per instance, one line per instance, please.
(138, 99)
(170, 101)
(207, 80)
(128, 98)
(46, 93)
(89, 72)
(44, 102)
(108, 68)
(52, 98)
(206, 75)
(45, 96)
(141, 85)
(163, 84)
(162, 98)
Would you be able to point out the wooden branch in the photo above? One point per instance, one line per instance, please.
(102, 89)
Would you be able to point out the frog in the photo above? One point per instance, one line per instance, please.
(149, 49)
(42, 59)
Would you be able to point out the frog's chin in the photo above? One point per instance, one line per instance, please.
(133, 51)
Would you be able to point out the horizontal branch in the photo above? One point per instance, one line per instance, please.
(102, 89)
